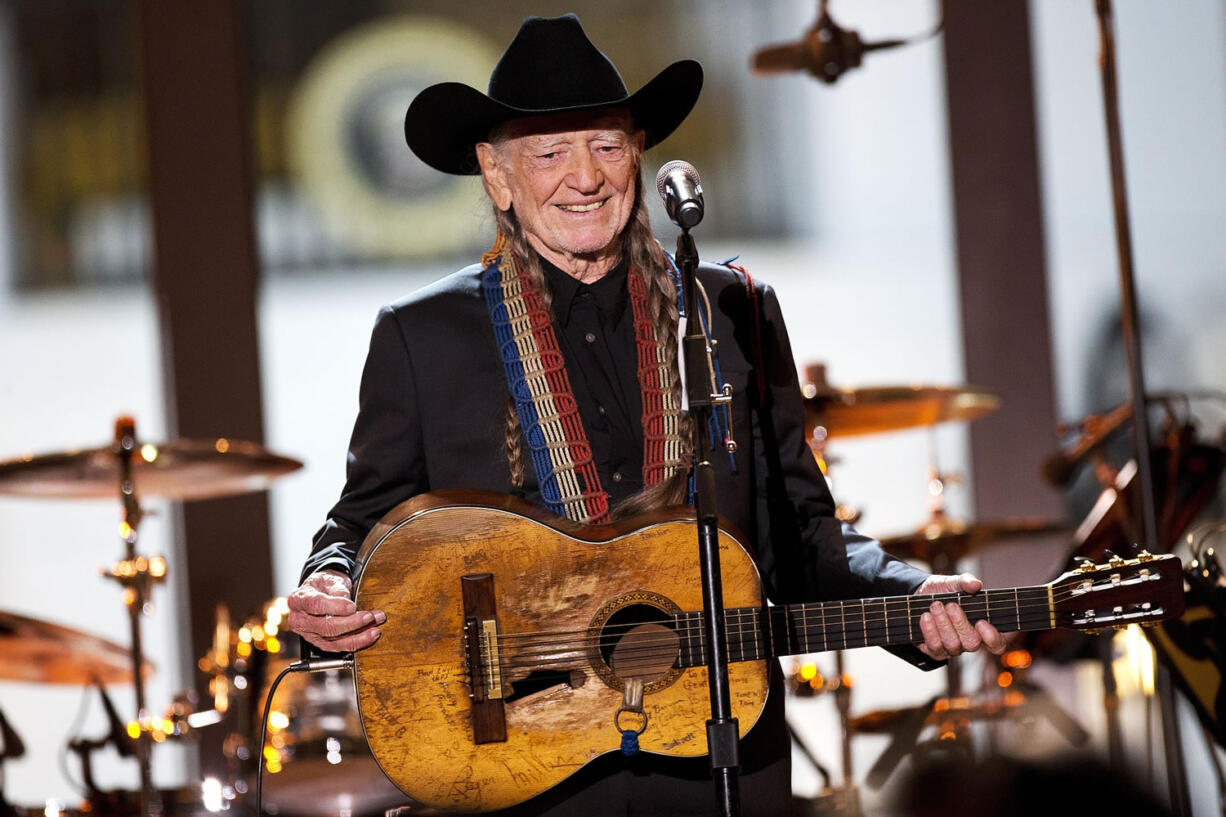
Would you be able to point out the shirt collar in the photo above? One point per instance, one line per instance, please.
(609, 292)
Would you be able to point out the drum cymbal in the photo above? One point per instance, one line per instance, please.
(848, 412)
(45, 653)
(956, 539)
(889, 721)
(181, 469)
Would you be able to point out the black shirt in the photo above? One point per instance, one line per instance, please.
(595, 328)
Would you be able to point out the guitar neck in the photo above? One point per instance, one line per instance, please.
(755, 633)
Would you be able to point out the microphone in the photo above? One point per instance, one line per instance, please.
(681, 189)
(1058, 468)
(827, 51)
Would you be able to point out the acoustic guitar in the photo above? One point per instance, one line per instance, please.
(511, 636)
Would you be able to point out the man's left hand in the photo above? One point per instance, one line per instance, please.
(947, 631)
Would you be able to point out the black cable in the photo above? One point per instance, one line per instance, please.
(300, 666)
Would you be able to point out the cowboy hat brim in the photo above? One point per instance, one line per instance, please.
(446, 121)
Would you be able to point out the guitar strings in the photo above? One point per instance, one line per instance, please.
(1033, 613)
(867, 629)
(668, 646)
(973, 604)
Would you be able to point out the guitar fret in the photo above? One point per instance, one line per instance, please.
(817, 608)
(789, 633)
(898, 628)
(864, 607)
(843, 622)
(695, 642)
(780, 629)
(697, 647)
(910, 625)
(1038, 612)
(863, 624)
(683, 633)
(729, 644)
(850, 626)
(804, 628)
(825, 632)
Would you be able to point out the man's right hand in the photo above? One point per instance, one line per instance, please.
(322, 611)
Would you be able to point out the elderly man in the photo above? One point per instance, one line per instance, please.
(447, 401)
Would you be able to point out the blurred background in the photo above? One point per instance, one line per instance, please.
(202, 209)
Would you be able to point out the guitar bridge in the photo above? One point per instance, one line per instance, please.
(482, 655)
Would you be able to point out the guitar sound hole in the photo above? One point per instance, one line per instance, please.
(638, 641)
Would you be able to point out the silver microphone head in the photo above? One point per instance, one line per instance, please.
(676, 165)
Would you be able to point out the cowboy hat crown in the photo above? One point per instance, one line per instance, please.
(549, 67)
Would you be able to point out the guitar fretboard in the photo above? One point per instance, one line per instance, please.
(755, 633)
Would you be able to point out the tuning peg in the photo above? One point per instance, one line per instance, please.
(1114, 559)
(1145, 556)
(1086, 566)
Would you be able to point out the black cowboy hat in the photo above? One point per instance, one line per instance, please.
(550, 67)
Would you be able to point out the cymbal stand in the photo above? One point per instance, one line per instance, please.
(11, 746)
(842, 702)
(941, 561)
(1176, 772)
(136, 574)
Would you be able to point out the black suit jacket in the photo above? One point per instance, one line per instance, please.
(432, 407)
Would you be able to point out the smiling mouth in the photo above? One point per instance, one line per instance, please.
(582, 208)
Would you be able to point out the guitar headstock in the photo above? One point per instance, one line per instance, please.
(1119, 592)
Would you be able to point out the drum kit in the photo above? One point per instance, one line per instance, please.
(940, 544)
(1187, 478)
(315, 756)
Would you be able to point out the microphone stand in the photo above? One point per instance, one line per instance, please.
(1176, 773)
(722, 729)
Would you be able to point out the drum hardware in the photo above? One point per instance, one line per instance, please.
(1184, 476)
(178, 470)
(184, 470)
(845, 412)
(947, 541)
(11, 744)
(1014, 700)
(943, 541)
(314, 754)
(40, 652)
(11, 747)
(806, 680)
(1194, 646)
(119, 737)
(1186, 473)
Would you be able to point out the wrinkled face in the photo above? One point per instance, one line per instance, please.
(570, 180)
